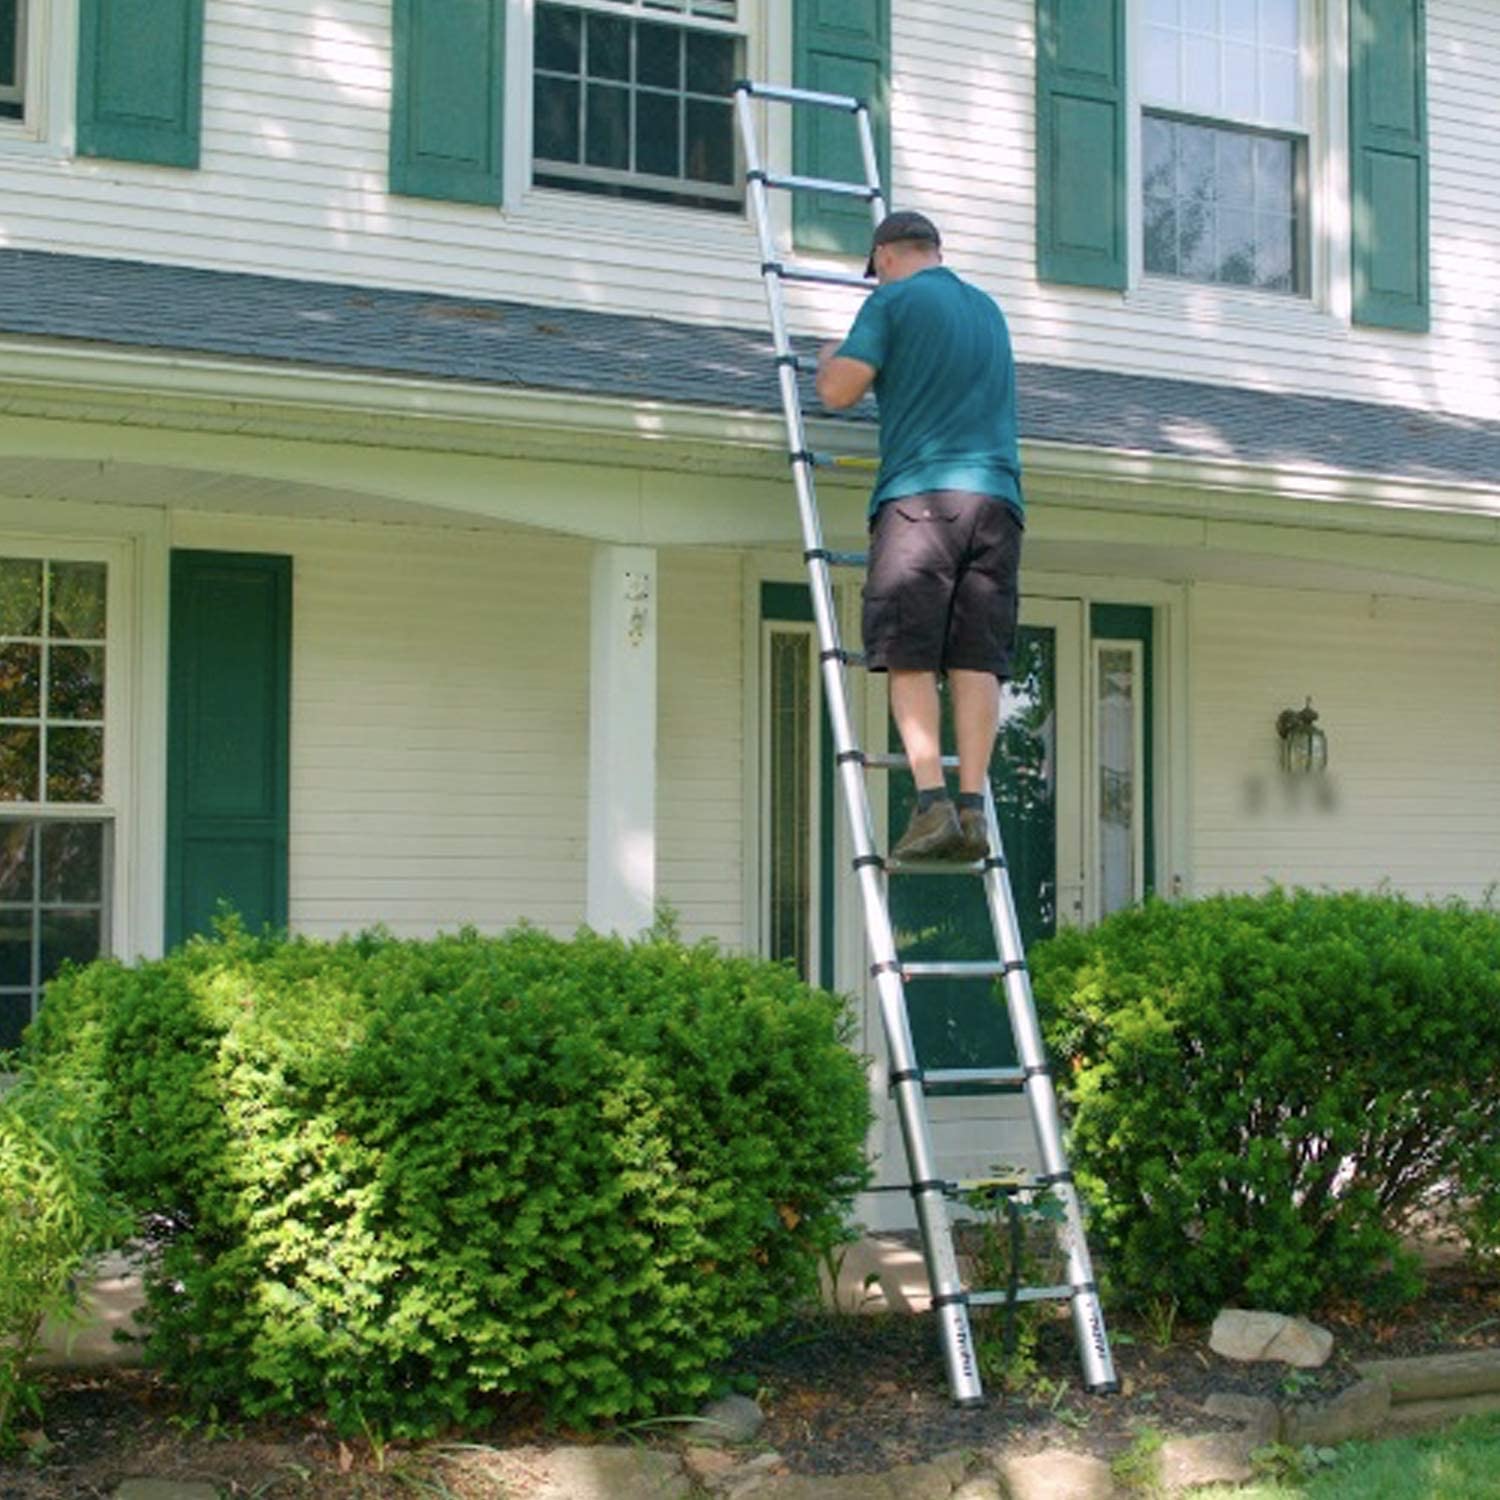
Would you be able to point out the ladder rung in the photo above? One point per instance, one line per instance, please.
(954, 969)
(881, 761)
(819, 185)
(1023, 1294)
(816, 273)
(846, 559)
(946, 1077)
(931, 867)
(784, 95)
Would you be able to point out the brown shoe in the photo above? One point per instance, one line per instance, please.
(933, 834)
(975, 836)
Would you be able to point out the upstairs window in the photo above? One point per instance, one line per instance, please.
(12, 59)
(1224, 142)
(632, 99)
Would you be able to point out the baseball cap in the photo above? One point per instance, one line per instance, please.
(904, 225)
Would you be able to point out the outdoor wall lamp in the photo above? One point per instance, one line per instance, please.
(1304, 747)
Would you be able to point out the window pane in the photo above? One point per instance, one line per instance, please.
(72, 862)
(17, 861)
(1279, 23)
(15, 1017)
(75, 684)
(67, 935)
(1118, 773)
(1202, 15)
(1158, 159)
(556, 120)
(1201, 92)
(658, 56)
(656, 127)
(1161, 238)
(606, 130)
(1160, 81)
(1236, 247)
(1275, 188)
(1274, 269)
(75, 765)
(609, 47)
(20, 596)
(710, 63)
(1280, 88)
(10, 55)
(15, 948)
(20, 764)
(710, 142)
(1236, 182)
(559, 39)
(20, 681)
(1167, 11)
(1239, 81)
(78, 601)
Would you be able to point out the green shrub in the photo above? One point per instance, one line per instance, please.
(392, 1179)
(1264, 1089)
(54, 1217)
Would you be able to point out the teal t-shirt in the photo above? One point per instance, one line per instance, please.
(946, 387)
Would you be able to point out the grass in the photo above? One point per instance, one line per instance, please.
(1461, 1463)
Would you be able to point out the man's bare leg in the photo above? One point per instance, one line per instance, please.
(918, 716)
(976, 722)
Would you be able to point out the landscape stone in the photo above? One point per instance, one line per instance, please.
(1256, 1414)
(1425, 1416)
(1432, 1377)
(1357, 1412)
(1211, 1458)
(1057, 1475)
(591, 1473)
(706, 1464)
(930, 1481)
(1253, 1336)
(981, 1487)
(731, 1419)
(166, 1489)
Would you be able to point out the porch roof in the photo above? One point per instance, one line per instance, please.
(381, 330)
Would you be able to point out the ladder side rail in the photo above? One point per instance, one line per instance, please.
(1088, 1315)
(872, 161)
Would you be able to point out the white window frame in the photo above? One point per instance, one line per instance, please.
(117, 806)
(46, 127)
(1328, 294)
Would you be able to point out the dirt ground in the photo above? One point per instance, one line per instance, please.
(842, 1393)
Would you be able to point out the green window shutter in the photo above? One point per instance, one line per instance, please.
(839, 47)
(228, 734)
(1080, 142)
(447, 97)
(1388, 161)
(140, 80)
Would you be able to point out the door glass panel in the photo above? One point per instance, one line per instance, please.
(1117, 719)
(958, 1023)
(790, 770)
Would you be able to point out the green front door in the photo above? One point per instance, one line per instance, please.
(961, 1023)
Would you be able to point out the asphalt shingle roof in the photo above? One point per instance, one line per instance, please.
(381, 330)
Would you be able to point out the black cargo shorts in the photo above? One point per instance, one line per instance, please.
(941, 591)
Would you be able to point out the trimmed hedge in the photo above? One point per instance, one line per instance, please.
(393, 1179)
(1264, 1089)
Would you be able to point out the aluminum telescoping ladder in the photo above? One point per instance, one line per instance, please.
(909, 1083)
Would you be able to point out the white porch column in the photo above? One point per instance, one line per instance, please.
(622, 741)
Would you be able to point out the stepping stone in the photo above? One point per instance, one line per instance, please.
(1057, 1475)
(1212, 1458)
(1254, 1336)
(730, 1419)
(590, 1473)
(166, 1489)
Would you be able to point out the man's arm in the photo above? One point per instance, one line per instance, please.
(841, 380)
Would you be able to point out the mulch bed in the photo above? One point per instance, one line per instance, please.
(842, 1393)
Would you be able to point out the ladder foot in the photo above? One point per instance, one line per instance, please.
(1105, 1388)
(968, 1403)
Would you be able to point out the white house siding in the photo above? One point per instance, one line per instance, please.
(294, 178)
(439, 723)
(700, 744)
(1408, 691)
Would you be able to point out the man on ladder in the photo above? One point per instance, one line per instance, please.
(946, 516)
